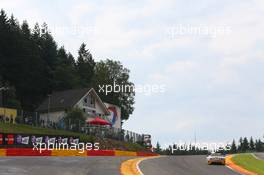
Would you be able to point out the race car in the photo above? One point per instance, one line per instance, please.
(216, 158)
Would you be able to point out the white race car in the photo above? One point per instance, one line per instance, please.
(216, 158)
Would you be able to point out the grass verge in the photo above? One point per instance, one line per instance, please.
(27, 129)
(249, 162)
(104, 143)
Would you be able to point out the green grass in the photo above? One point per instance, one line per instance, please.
(27, 129)
(250, 163)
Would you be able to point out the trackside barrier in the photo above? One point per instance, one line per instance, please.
(2, 152)
(125, 153)
(31, 152)
(26, 152)
(68, 153)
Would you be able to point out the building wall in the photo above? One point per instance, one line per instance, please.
(97, 110)
(91, 112)
(53, 116)
(8, 112)
(56, 116)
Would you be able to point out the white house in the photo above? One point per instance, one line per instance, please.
(56, 105)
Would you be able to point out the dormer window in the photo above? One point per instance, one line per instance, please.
(62, 100)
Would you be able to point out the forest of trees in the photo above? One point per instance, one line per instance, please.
(32, 66)
(247, 145)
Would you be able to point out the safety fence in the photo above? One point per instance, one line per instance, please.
(113, 133)
(33, 119)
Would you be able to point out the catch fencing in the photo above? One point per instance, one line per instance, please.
(33, 119)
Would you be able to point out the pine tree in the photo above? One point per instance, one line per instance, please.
(3, 45)
(36, 36)
(25, 30)
(3, 18)
(240, 144)
(65, 75)
(258, 145)
(48, 47)
(245, 145)
(251, 144)
(158, 148)
(85, 66)
(14, 24)
(233, 147)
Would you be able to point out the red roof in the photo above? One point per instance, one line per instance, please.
(99, 121)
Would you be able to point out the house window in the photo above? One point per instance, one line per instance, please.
(92, 101)
(62, 100)
(89, 101)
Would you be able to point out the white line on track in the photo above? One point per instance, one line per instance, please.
(234, 170)
(256, 157)
(139, 170)
(137, 165)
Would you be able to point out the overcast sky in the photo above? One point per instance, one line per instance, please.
(208, 53)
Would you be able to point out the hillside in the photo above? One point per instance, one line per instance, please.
(104, 143)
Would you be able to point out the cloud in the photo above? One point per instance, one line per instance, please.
(244, 21)
(182, 67)
(79, 11)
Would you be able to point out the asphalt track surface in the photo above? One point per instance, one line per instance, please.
(260, 155)
(182, 165)
(61, 165)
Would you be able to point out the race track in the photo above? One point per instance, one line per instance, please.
(182, 165)
(61, 165)
(259, 155)
(169, 165)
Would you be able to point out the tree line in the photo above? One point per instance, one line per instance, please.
(247, 145)
(33, 66)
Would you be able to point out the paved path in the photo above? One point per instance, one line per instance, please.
(182, 165)
(61, 165)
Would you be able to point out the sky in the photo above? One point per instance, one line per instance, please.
(208, 55)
